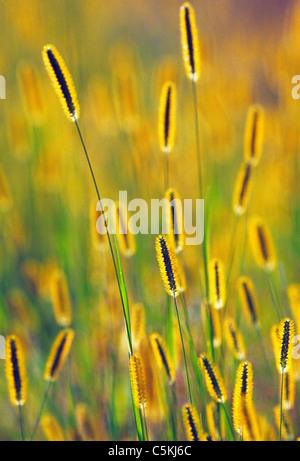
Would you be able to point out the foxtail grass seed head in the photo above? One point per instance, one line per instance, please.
(189, 42)
(243, 411)
(15, 371)
(289, 390)
(167, 117)
(85, 423)
(218, 286)
(174, 219)
(262, 244)
(242, 190)
(51, 428)
(125, 238)
(212, 419)
(58, 354)
(138, 382)
(234, 339)
(283, 345)
(191, 423)
(248, 299)
(206, 437)
(62, 81)
(254, 134)
(213, 379)
(138, 323)
(60, 298)
(168, 265)
(162, 356)
(216, 327)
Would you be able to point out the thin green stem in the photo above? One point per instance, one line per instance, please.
(228, 420)
(281, 406)
(127, 323)
(145, 424)
(183, 350)
(41, 410)
(21, 423)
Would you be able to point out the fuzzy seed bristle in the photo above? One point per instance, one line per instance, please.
(138, 382)
(217, 284)
(62, 81)
(289, 390)
(58, 354)
(248, 299)
(168, 265)
(60, 298)
(191, 423)
(243, 411)
(15, 371)
(138, 323)
(262, 244)
(242, 190)
(51, 428)
(167, 117)
(254, 134)
(283, 345)
(213, 379)
(189, 41)
(162, 356)
(234, 339)
(174, 219)
(212, 418)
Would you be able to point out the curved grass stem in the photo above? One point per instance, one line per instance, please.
(183, 350)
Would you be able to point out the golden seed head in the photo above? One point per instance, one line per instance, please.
(288, 399)
(85, 423)
(58, 354)
(283, 345)
(60, 298)
(15, 371)
(234, 339)
(254, 134)
(162, 356)
(212, 419)
(51, 428)
(168, 265)
(242, 190)
(62, 81)
(213, 379)
(167, 117)
(138, 323)
(262, 244)
(248, 298)
(138, 382)
(218, 285)
(243, 411)
(189, 41)
(191, 423)
(173, 216)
